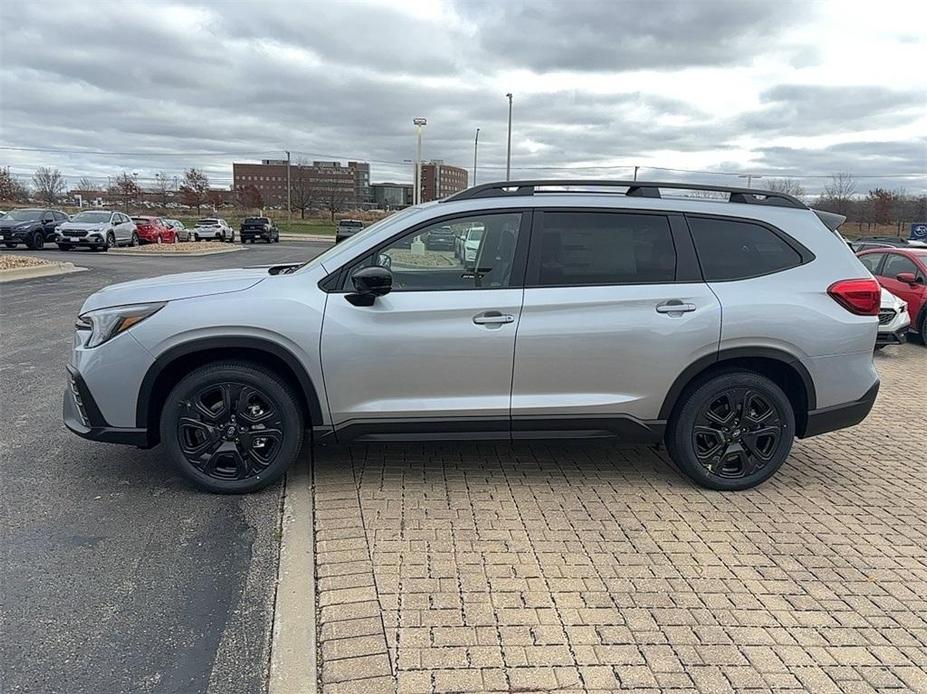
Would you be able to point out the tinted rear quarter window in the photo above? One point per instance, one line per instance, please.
(733, 249)
(871, 261)
(589, 248)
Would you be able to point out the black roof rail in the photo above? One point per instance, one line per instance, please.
(642, 189)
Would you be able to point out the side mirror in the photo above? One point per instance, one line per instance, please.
(369, 283)
(906, 277)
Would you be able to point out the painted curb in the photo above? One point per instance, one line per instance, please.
(306, 237)
(293, 666)
(50, 270)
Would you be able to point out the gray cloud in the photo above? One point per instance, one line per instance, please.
(345, 80)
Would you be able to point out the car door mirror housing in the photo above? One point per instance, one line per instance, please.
(906, 277)
(369, 283)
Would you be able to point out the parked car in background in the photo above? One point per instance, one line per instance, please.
(903, 272)
(726, 328)
(98, 230)
(213, 229)
(866, 242)
(30, 226)
(154, 230)
(440, 239)
(253, 228)
(183, 234)
(894, 321)
(347, 228)
(467, 244)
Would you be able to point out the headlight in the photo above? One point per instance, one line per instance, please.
(106, 323)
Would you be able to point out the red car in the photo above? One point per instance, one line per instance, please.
(903, 272)
(154, 230)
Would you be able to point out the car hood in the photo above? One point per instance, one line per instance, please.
(9, 223)
(889, 300)
(82, 226)
(170, 287)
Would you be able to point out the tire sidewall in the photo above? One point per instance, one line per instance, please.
(247, 374)
(679, 435)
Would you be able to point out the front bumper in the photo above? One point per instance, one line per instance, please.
(88, 240)
(840, 416)
(9, 236)
(83, 417)
(894, 337)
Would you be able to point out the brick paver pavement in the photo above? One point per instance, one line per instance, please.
(591, 567)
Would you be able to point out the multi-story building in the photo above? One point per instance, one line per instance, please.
(440, 180)
(391, 196)
(330, 180)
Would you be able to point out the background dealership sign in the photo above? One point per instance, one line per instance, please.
(919, 232)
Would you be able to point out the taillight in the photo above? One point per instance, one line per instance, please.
(862, 297)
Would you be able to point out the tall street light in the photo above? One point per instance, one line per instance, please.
(419, 123)
(476, 143)
(508, 154)
(749, 178)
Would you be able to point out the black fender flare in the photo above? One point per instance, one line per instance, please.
(203, 344)
(699, 365)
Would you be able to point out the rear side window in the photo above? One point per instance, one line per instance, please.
(734, 250)
(895, 264)
(871, 261)
(588, 248)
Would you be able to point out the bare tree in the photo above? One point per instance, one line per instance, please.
(303, 191)
(126, 189)
(162, 187)
(10, 187)
(838, 194)
(789, 186)
(195, 188)
(334, 198)
(86, 184)
(49, 184)
(249, 196)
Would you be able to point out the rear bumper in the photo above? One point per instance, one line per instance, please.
(840, 416)
(83, 417)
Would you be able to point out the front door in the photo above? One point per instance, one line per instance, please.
(894, 265)
(434, 356)
(614, 311)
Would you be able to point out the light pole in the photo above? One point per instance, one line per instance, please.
(289, 213)
(419, 123)
(476, 143)
(635, 172)
(508, 153)
(749, 178)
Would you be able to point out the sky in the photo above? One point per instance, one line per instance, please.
(703, 90)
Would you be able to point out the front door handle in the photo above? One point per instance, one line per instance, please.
(493, 318)
(675, 306)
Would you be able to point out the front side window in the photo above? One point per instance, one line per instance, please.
(895, 264)
(871, 261)
(602, 248)
(733, 250)
(478, 253)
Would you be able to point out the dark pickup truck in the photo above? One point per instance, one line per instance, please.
(253, 228)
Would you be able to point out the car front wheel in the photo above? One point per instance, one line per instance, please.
(232, 427)
(731, 431)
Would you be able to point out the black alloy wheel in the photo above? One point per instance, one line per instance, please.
(732, 430)
(36, 241)
(111, 241)
(232, 427)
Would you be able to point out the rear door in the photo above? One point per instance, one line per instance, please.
(614, 311)
(434, 356)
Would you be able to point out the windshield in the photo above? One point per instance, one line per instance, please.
(23, 215)
(91, 217)
(353, 240)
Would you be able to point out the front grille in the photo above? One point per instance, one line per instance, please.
(73, 233)
(886, 316)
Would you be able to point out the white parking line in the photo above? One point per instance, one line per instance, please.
(293, 668)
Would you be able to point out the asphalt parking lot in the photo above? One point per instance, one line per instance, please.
(533, 567)
(116, 575)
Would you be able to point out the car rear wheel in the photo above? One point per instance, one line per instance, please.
(731, 431)
(232, 427)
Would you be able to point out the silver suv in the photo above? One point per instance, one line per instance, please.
(723, 327)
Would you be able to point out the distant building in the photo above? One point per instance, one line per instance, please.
(391, 196)
(349, 184)
(439, 180)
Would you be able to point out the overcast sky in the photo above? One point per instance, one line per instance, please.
(799, 89)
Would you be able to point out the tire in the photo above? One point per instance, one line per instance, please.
(36, 241)
(110, 242)
(135, 240)
(195, 420)
(243, 240)
(923, 331)
(727, 456)
(64, 246)
(159, 240)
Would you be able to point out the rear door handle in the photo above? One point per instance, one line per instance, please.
(493, 318)
(675, 306)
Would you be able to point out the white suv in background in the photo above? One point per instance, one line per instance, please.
(213, 228)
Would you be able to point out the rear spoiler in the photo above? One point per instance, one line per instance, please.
(831, 220)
